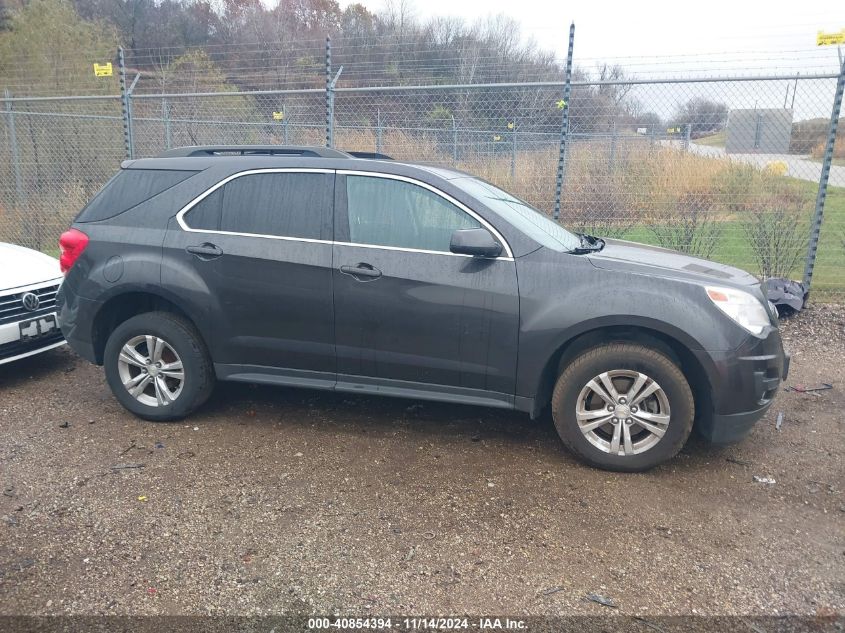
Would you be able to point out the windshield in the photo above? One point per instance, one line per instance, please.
(535, 224)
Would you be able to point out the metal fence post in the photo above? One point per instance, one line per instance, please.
(454, 142)
(165, 114)
(612, 147)
(816, 226)
(13, 145)
(285, 133)
(564, 127)
(331, 82)
(378, 131)
(124, 102)
(687, 137)
(513, 151)
(129, 92)
(329, 108)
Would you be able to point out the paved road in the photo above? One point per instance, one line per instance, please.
(797, 166)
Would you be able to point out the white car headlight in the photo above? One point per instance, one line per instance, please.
(742, 307)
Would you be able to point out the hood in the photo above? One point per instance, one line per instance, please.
(653, 260)
(21, 266)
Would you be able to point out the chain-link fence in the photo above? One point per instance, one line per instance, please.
(724, 168)
(54, 156)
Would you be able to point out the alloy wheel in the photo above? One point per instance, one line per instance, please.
(151, 370)
(623, 412)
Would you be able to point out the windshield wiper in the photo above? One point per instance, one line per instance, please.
(589, 244)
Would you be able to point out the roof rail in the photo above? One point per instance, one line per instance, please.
(370, 155)
(253, 150)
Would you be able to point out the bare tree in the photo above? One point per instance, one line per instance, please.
(399, 15)
(615, 93)
(703, 115)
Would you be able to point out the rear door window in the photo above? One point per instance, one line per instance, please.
(277, 204)
(284, 204)
(129, 188)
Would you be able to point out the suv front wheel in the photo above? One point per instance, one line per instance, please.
(623, 407)
(158, 367)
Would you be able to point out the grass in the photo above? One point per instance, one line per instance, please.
(715, 140)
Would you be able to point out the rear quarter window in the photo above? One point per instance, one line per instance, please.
(129, 188)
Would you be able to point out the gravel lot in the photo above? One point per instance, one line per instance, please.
(288, 501)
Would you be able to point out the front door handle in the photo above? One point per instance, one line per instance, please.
(205, 251)
(362, 271)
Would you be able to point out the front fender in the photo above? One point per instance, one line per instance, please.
(563, 296)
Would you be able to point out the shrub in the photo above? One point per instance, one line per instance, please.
(807, 135)
(602, 194)
(739, 186)
(695, 229)
(838, 148)
(595, 199)
(776, 231)
(777, 168)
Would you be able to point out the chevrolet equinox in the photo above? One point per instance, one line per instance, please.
(311, 267)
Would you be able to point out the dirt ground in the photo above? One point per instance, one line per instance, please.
(273, 501)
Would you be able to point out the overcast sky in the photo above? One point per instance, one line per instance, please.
(721, 34)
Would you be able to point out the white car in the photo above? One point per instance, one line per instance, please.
(29, 281)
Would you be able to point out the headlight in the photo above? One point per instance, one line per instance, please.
(742, 307)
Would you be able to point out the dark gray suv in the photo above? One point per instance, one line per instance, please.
(311, 267)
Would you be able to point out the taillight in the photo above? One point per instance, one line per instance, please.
(72, 242)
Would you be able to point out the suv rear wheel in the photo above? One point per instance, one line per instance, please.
(158, 367)
(623, 407)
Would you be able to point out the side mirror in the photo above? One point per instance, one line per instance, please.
(475, 242)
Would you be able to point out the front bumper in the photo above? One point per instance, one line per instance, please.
(14, 316)
(744, 383)
(16, 350)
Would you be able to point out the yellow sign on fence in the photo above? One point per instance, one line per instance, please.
(103, 70)
(278, 116)
(826, 39)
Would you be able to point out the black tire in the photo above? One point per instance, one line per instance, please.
(630, 357)
(182, 336)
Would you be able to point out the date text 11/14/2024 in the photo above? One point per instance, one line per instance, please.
(416, 624)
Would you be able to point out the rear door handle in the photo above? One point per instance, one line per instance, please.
(205, 251)
(364, 271)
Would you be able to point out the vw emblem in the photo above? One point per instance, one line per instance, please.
(30, 301)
